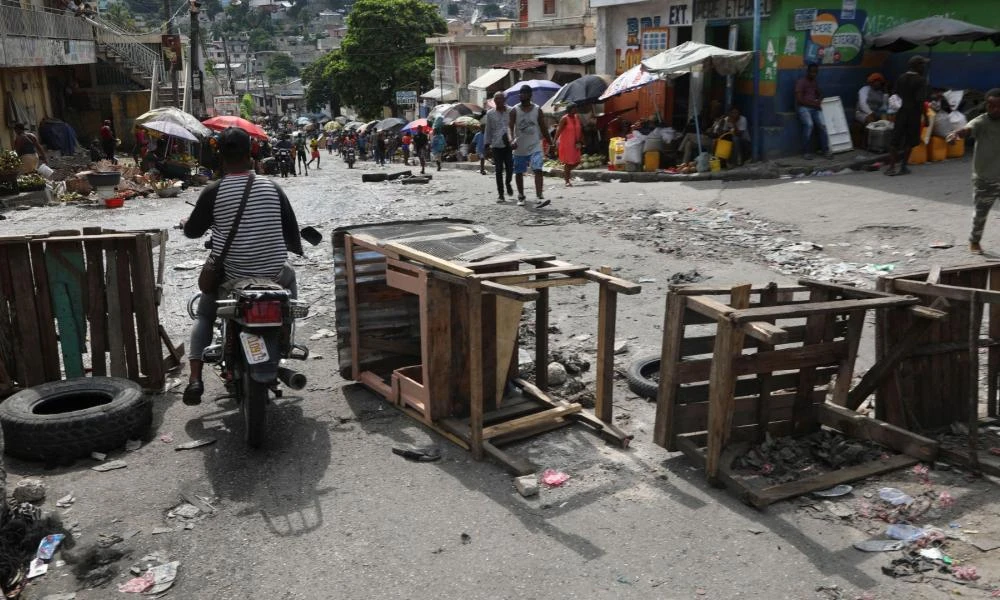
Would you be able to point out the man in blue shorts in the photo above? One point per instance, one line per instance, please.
(526, 131)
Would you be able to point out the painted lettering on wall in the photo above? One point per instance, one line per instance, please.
(835, 39)
(729, 9)
(678, 15)
(636, 34)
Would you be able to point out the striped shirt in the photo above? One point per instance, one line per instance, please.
(267, 231)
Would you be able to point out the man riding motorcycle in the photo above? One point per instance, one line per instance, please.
(266, 233)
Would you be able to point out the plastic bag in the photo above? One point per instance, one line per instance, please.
(895, 103)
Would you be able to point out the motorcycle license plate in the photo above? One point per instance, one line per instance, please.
(254, 348)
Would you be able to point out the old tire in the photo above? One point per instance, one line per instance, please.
(639, 376)
(398, 174)
(373, 177)
(63, 420)
(253, 407)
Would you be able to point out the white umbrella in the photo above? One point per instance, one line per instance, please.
(681, 60)
(175, 115)
(171, 129)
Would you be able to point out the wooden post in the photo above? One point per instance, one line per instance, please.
(993, 356)
(768, 297)
(803, 419)
(722, 383)
(845, 374)
(476, 368)
(352, 306)
(607, 307)
(975, 323)
(666, 397)
(542, 339)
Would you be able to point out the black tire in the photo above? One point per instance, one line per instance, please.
(639, 376)
(64, 420)
(415, 180)
(253, 407)
(398, 174)
(373, 177)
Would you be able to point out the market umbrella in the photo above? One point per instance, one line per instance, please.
(929, 32)
(541, 91)
(332, 126)
(342, 120)
(413, 126)
(175, 115)
(582, 91)
(303, 121)
(390, 123)
(680, 60)
(467, 121)
(171, 129)
(226, 121)
(632, 79)
(353, 126)
(368, 126)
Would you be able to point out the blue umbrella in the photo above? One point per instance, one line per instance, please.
(541, 91)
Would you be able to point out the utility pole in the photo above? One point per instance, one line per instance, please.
(229, 72)
(172, 30)
(197, 93)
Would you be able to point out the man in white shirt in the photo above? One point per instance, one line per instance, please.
(497, 138)
(735, 124)
(873, 102)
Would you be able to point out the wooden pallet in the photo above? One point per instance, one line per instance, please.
(764, 362)
(438, 338)
(73, 304)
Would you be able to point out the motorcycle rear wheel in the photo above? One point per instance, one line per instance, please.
(254, 411)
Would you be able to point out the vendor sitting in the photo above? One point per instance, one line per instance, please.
(873, 102)
(734, 125)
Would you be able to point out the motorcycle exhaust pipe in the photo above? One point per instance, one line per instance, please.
(293, 379)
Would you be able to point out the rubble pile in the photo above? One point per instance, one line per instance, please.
(785, 459)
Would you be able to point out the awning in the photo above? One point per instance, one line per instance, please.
(485, 81)
(579, 56)
(441, 95)
(521, 65)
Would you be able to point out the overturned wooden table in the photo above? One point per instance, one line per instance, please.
(428, 314)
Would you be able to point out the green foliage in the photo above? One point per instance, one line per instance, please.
(120, 14)
(246, 106)
(261, 40)
(384, 49)
(212, 8)
(492, 11)
(281, 68)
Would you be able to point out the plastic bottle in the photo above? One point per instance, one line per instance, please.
(894, 496)
(904, 532)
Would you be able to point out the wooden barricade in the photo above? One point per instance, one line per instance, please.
(764, 362)
(73, 304)
(936, 381)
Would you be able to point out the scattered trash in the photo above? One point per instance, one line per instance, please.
(553, 478)
(557, 374)
(583, 337)
(184, 511)
(922, 472)
(133, 445)
(66, 596)
(322, 333)
(37, 567)
(29, 490)
(945, 500)
(47, 547)
(681, 278)
(626, 580)
(99, 456)
(907, 565)
(646, 280)
(834, 492)
(526, 485)
(161, 530)
(195, 444)
(167, 438)
(841, 511)
(879, 545)
(932, 553)
(894, 496)
(941, 245)
(995, 451)
(109, 466)
(137, 585)
(66, 501)
(466, 538)
(156, 580)
(621, 346)
(904, 532)
(965, 573)
(417, 453)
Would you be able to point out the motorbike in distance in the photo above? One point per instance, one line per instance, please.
(350, 156)
(286, 164)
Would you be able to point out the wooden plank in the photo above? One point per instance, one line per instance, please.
(768, 297)
(615, 284)
(175, 354)
(509, 260)
(519, 293)
(97, 307)
(30, 370)
(570, 270)
(703, 344)
(708, 307)
(48, 343)
(845, 376)
(777, 493)
(550, 283)
(664, 433)
(116, 341)
(975, 324)
(849, 292)
(864, 428)
(951, 292)
(818, 308)
(542, 339)
(817, 323)
(710, 290)
(728, 347)
(428, 259)
(515, 466)
(488, 323)
(66, 277)
(693, 416)
(504, 334)
(934, 274)
(776, 360)
(606, 315)
(886, 364)
(123, 248)
(476, 369)
(352, 306)
(766, 332)
(530, 420)
(147, 314)
(751, 386)
(993, 356)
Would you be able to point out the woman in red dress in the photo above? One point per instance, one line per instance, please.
(570, 136)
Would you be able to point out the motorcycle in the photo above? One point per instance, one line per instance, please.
(255, 333)
(286, 164)
(349, 156)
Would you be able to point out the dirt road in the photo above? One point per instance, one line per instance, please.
(327, 511)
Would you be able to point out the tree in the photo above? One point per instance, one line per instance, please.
(492, 11)
(120, 14)
(317, 78)
(384, 48)
(281, 68)
(246, 106)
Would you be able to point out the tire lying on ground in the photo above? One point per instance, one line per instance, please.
(373, 177)
(640, 375)
(416, 179)
(63, 420)
(398, 174)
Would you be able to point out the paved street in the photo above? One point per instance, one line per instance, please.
(327, 511)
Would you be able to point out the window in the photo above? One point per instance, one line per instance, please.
(549, 7)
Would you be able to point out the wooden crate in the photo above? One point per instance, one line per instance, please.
(438, 337)
(74, 303)
(765, 361)
(937, 378)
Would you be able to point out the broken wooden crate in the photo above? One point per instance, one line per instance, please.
(75, 303)
(742, 362)
(428, 315)
(937, 374)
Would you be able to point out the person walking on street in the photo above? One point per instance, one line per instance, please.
(420, 142)
(331, 141)
(495, 134)
(266, 233)
(527, 130)
(438, 142)
(985, 164)
(300, 155)
(314, 152)
(809, 105)
(405, 142)
(108, 141)
(569, 136)
(479, 143)
(911, 88)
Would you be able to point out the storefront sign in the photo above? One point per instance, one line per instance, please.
(835, 39)
(227, 105)
(802, 18)
(407, 98)
(38, 52)
(705, 10)
(679, 14)
(848, 8)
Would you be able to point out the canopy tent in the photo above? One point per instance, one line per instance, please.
(930, 32)
(467, 121)
(693, 56)
(441, 94)
(484, 81)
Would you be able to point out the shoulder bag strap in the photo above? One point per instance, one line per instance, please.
(236, 221)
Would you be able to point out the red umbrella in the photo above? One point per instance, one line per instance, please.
(413, 126)
(226, 121)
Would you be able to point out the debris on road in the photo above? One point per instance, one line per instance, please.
(553, 478)
(879, 545)
(195, 444)
(109, 466)
(133, 445)
(167, 438)
(47, 547)
(417, 453)
(66, 501)
(29, 490)
(322, 333)
(557, 374)
(526, 485)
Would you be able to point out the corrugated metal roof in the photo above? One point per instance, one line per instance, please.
(521, 65)
(579, 56)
